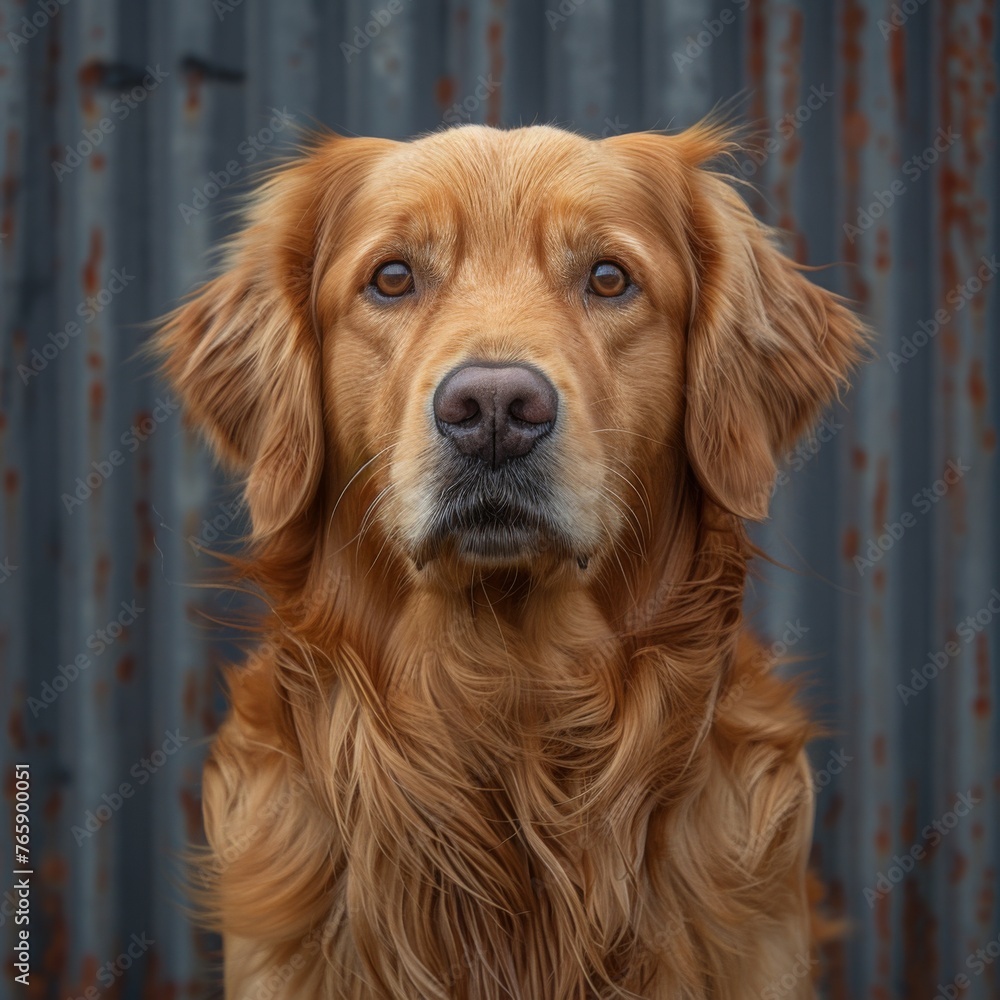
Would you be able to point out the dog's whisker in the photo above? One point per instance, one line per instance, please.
(361, 469)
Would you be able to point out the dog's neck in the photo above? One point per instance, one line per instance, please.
(486, 754)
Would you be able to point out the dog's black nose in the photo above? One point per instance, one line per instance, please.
(495, 413)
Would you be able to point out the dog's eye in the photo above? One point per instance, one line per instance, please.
(608, 280)
(393, 279)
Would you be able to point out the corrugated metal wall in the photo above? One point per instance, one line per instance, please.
(122, 123)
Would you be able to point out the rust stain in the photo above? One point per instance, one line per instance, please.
(102, 574)
(908, 822)
(883, 260)
(494, 39)
(189, 699)
(897, 69)
(9, 185)
(833, 813)
(11, 481)
(96, 402)
(859, 458)
(981, 704)
(878, 750)
(950, 353)
(849, 545)
(959, 866)
(88, 976)
(883, 916)
(89, 77)
(192, 98)
(125, 668)
(835, 951)
(977, 384)
(919, 928)
(883, 838)
(987, 897)
(757, 62)
(853, 129)
(881, 500)
(15, 729)
(155, 987)
(92, 265)
(191, 808)
(444, 91)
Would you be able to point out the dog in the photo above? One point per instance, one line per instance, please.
(503, 401)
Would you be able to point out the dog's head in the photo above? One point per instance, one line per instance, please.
(502, 349)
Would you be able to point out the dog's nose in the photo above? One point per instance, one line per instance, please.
(495, 413)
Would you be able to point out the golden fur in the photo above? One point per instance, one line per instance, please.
(445, 776)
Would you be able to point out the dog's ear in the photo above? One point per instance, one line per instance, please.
(244, 353)
(766, 349)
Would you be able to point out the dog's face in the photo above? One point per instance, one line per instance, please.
(509, 327)
(511, 347)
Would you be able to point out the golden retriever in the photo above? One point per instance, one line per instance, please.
(503, 400)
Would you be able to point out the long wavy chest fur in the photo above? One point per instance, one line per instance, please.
(541, 826)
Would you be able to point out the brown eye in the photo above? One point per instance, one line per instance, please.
(608, 280)
(393, 279)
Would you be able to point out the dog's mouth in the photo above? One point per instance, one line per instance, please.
(501, 516)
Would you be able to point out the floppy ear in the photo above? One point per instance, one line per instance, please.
(767, 349)
(244, 353)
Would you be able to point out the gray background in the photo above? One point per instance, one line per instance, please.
(599, 68)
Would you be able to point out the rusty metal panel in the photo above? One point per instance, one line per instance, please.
(127, 131)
